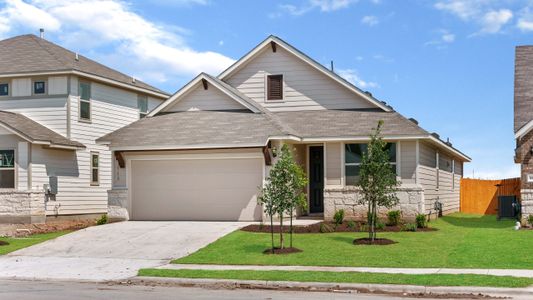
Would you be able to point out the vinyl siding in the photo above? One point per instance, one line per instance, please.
(334, 164)
(408, 161)
(50, 112)
(304, 87)
(21, 87)
(57, 85)
(210, 99)
(439, 183)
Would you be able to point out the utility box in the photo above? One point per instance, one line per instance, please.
(508, 207)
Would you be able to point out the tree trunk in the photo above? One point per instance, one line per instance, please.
(369, 217)
(281, 246)
(373, 225)
(290, 228)
(272, 231)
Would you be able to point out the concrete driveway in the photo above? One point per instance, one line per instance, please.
(113, 251)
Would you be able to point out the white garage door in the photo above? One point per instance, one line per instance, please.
(219, 189)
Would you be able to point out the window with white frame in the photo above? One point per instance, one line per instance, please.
(95, 168)
(142, 104)
(39, 87)
(85, 100)
(4, 89)
(7, 169)
(353, 155)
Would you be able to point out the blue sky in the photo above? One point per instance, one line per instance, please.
(447, 63)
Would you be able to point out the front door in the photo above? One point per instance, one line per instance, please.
(316, 179)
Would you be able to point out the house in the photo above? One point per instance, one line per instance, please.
(204, 152)
(54, 104)
(523, 124)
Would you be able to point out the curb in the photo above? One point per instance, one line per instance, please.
(331, 287)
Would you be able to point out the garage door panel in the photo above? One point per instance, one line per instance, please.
(210, 189)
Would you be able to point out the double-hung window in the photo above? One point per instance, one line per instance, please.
(7, 169)
(39, 87)
(85, 101)
(95, 168)
(142, 104)
(353, 156)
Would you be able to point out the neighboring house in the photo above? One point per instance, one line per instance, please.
(204, 152)
(54, 104)
(523, 124)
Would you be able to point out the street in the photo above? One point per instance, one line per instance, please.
(54, 290)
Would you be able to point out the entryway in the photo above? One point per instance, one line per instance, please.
(316, 179)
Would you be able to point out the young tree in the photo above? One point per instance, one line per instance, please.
(377, 180)
(283, 191)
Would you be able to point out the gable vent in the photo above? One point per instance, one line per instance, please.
(275, 87)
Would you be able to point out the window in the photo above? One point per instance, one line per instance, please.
(275, 87)
(85, 100)
(39, 87)
(142, 104)
(95, 170)
(4, 89)
(353, 155)
(7, 169)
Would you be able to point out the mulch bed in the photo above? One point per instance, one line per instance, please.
(380, 241)
(3, 243)
(315, 228)
(282, 251)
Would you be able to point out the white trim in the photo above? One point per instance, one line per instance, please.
(360, 138)
(266, 43)
(92, 168)
(14, 169)
(87, 75)
(193, 84)
(325, 166)
(417, 160)
(524, 130)
(398, 159)
(182, 147)
(343, 168)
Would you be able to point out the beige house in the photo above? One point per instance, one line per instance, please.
(204, 152)
(54, 104)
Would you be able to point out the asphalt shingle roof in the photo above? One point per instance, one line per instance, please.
(29, 53)
(34, 131)
(196, 129)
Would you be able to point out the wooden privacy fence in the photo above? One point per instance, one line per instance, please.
(481, 196)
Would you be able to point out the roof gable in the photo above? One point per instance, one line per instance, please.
(226, 97)
(275, 42)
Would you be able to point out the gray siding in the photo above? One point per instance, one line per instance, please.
(408, 161)
(304, 87)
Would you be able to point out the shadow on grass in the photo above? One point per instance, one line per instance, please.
(477, 221)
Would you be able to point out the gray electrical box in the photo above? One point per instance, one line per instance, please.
(53, 185)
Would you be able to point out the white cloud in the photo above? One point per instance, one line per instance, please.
(370, 20)
(488, 14)
(155, 51)
(352, 76)
(310, 5)
(525, 21)
(494, 20)
(445, 37)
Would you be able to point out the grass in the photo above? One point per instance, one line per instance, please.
(348, 277)
(462, 241)
(19, 243)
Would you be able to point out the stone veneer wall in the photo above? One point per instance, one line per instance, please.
(117, 205)
(335, 198)
(22, 207)
(526, 196)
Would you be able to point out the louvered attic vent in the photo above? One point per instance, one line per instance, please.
(275, 87)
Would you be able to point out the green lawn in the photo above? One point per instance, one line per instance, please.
(19, 243)
(462, 241)
(348, 277)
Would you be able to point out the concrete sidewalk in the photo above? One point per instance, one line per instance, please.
(493, 272)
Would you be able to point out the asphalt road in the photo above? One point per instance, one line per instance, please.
(54, 290)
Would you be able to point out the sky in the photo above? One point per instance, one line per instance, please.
(447, 63)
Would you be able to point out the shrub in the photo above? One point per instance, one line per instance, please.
(409, 227)
(102, 220)
(421, 221)
(261, 226)
(380, 225)
(325, 228)
(530, 220)
(351, 224)
(338, 217)
(393, 217)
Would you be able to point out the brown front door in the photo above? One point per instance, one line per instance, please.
(316, 179)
